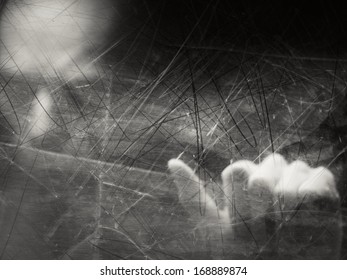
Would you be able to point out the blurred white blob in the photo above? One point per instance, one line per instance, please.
(274, 174)
(293, 177)
(192, 193)
(39, 118)
(268, 173)
(264, 182)
(53, 38)
(320, 183)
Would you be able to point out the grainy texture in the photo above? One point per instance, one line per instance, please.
(89, 121)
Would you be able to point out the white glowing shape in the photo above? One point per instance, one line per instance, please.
(271, 179)
(53, 37)
(40, 114)
(268, 172)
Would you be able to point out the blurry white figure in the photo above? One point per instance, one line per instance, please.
(278, 210)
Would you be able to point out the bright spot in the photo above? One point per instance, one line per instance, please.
(54, 38)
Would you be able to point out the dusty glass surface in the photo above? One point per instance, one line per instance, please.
(98, 96)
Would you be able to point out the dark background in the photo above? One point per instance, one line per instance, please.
(317, 26)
